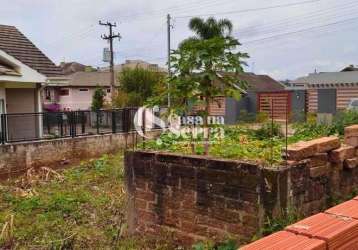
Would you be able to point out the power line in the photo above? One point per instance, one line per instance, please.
(299, 31)
(250, 10)
(176, 8)
(298, 20)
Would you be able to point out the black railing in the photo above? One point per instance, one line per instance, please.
(50, 125)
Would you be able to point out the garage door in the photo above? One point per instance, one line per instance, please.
(21, 126)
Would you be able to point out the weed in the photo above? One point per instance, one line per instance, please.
(279, 222)
(208, 245)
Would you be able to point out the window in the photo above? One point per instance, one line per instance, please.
(83, 90)
(64, 92)
(108, 91)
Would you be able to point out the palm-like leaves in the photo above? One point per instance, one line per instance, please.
(209, 28)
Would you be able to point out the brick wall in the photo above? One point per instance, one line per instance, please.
(197, 198)
(191, 196)
(18, 157)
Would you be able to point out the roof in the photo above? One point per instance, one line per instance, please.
(261, 83)
(350, 68)
(72, 67)
(7, 70)
(329, 78)
(89, 79)
(14, 43)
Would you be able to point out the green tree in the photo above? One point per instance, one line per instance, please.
(209, 28)
(98, 99)
(137, 85)
(204, 68)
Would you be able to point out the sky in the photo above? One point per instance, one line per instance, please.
(284, 38)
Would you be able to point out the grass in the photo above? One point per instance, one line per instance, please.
(85, 208)
(240, 142)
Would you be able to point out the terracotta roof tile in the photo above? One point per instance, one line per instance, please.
(335, 230)
(14, 43)
(347, 209)
(286, 241)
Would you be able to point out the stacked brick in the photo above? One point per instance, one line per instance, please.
(326, 154)
(336, 228)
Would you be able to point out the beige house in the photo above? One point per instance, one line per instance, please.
(132, 64)
(23, 70)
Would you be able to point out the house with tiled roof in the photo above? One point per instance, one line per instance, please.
(24, 69)
(330, 92)
(76, 92)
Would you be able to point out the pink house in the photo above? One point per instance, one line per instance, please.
(75, 92)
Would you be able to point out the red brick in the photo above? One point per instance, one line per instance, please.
(301, 150)
(140, 204)
(146, 216)
(325, 144)
(351, 131)
(319, 159)
(143, 195)
(320, 171)
(235, 228)
(342, 153)
(352, 141)
(350, 163)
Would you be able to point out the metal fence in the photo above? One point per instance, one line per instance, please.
(21, 127)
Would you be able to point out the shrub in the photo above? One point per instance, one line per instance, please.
(262, 117)
(344, 119)
(246, 117)
(308, 131)
(311, 118)
(98, 99)
(268, 130)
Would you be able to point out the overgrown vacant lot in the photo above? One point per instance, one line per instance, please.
(77, 208)
(242, 142)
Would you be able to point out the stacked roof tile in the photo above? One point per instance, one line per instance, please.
(336, 228)
(14, 43)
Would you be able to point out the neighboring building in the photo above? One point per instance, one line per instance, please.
(76, 92)
(261, 90)
(329, 92)
(132, 64)
(23, 70)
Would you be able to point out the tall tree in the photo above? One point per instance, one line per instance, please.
(209, 28)
(137, 85)
(204, 67)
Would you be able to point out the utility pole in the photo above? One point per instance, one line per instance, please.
(169, 26)
(110, 38)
